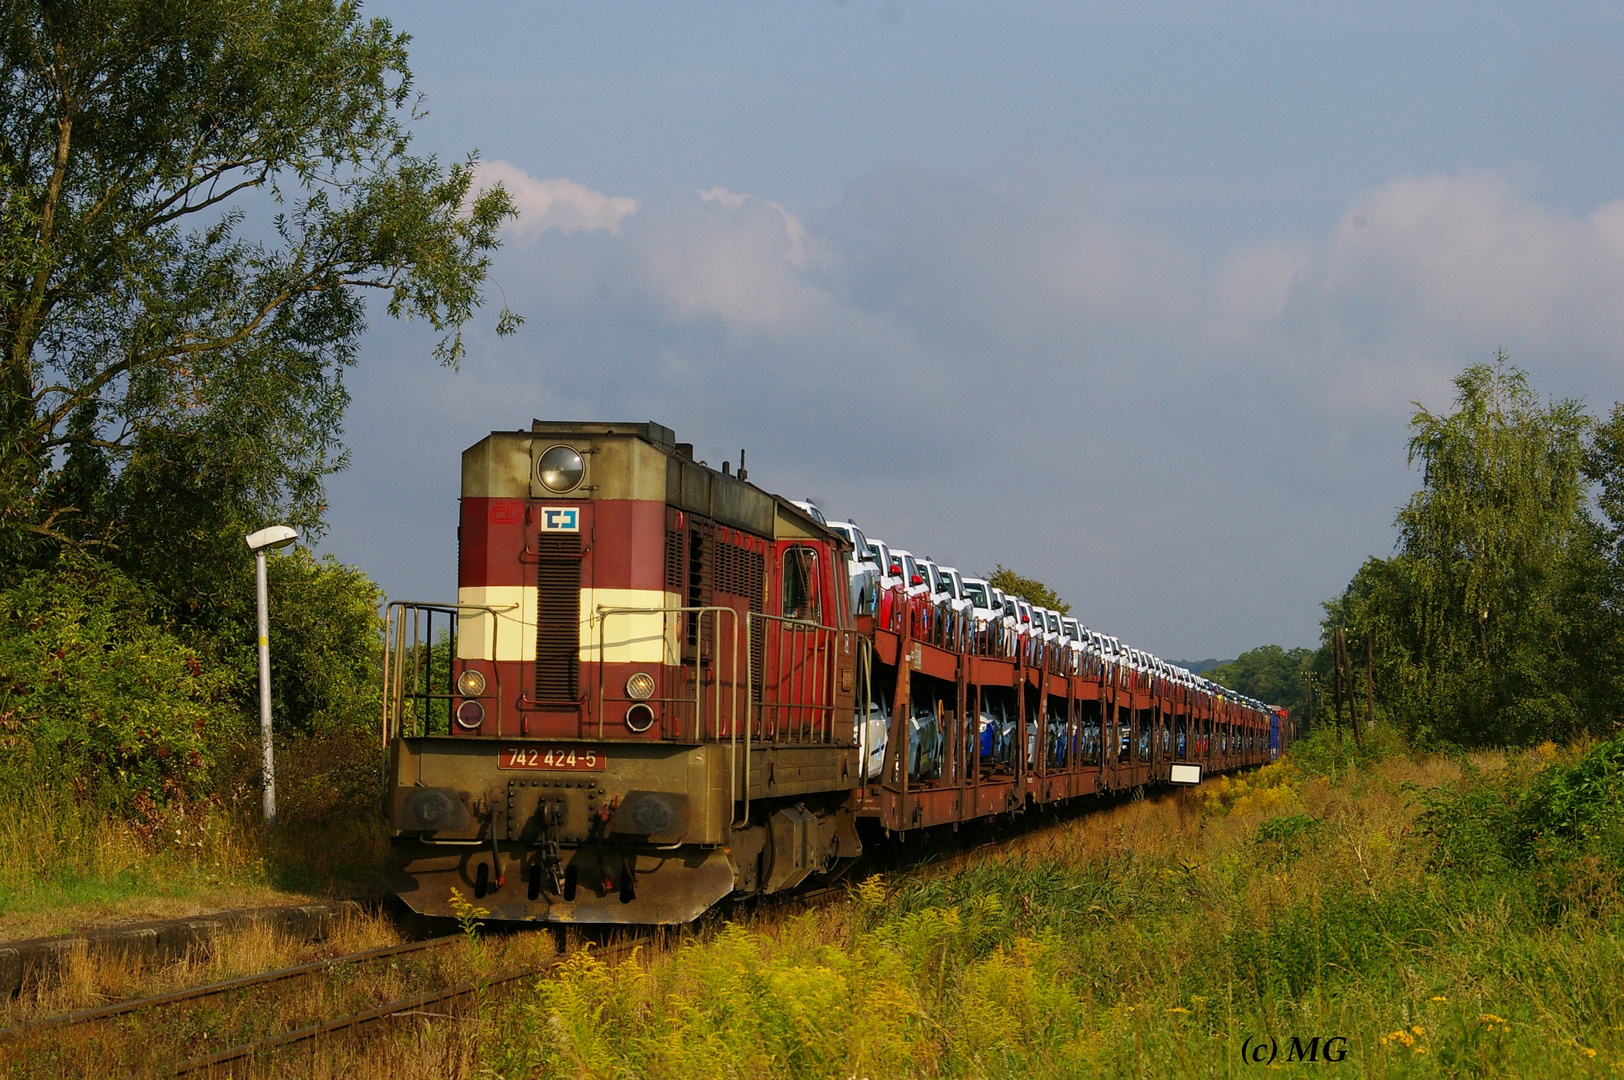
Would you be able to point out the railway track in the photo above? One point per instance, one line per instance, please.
(388, 1011)
(22, 1045)
(415, 1004)
(19, 1036)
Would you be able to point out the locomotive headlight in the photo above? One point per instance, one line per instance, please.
(560, 468)
(471, 683)
(640, 687)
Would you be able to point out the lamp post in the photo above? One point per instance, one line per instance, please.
(277, 536)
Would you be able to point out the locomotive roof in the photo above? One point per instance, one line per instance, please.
(697, 487)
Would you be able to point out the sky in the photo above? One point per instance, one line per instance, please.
(1135, 298)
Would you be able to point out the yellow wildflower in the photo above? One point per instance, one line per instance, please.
(1439, 997)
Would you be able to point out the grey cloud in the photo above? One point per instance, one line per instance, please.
(996, 372)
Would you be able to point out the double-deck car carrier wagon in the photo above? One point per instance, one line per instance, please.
(651, 694)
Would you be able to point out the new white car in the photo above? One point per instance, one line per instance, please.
(862, 568)
(890, 566)
(961, 601)
(812, 511)
(915, 583)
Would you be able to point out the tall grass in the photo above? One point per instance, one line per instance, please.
(1158, 938)
(66, 859)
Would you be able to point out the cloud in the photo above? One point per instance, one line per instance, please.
(555, 203)
(1194, 450)
(1461, 263)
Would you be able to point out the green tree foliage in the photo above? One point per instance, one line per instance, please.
(194, 201)
(1269, 673)
(1029, 589)
(1491, 622)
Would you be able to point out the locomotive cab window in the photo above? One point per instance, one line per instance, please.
(800, 585)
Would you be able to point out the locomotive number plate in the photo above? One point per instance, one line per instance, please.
(551, 758)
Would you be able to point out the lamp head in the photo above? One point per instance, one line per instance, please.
(276, 536)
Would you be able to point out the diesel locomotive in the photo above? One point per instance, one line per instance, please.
(652, 693)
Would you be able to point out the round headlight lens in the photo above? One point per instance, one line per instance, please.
(560, 468)
(470, 714)
(640, 718)
(471, 683)
(640, 687)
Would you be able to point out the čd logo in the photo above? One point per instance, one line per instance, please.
(561, 519)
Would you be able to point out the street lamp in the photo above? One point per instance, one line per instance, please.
(277, 536)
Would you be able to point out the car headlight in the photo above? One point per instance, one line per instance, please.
(560, 468)
(640, 687)
(471, 683)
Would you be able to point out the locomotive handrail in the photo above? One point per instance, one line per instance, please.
(394, 674)
(821, 677)
(603, 614)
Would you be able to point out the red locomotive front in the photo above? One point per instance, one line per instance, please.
(631, 710)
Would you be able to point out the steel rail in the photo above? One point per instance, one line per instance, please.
(352, 1020)
(119, 1008)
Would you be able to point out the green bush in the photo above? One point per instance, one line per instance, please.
(96, 694)
(326, 644)
(1553, 836)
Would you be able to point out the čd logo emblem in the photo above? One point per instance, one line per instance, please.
(561, 519)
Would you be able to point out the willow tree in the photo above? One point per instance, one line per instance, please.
(195, 200)
(1487, 618)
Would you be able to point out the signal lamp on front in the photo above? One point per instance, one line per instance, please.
(470, 714)
(639, 718)
(640, 687)
(471, 683)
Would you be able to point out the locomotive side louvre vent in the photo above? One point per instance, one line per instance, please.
(701, 553)
(673, 561)
(739, 573)
(558, 617)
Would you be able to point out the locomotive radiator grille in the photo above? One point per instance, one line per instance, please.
(558, 618)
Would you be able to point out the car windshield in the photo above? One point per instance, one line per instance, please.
(977, 593)
(1054, 623)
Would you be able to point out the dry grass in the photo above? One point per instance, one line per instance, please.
(121, 1045)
